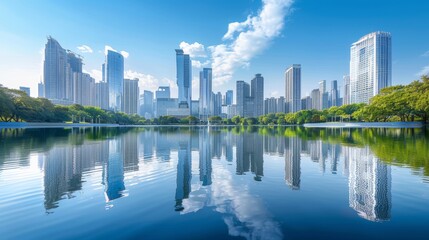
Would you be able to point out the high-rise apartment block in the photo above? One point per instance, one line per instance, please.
(370, 66)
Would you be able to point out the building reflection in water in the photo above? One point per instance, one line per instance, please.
(249, 154)
(205, 156)
(293, 162)
(369, 178)
(113, 171)
(369, 185)
(184, 173)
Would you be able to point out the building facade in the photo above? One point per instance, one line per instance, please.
(114, 74)
(131, 96)
(257, 88)
(293, 88)
(205, 102)
(370, 66)
(184, 78)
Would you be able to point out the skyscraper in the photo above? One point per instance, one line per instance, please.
(370, 66)
(114, 74)
(54, 70)
(243, 93)
(324, 95)
(257, 85)
(131, 96)
(147, 109)
(334, 96)
(315, 99)
(229, 97)
(184, 78)
(205, 93)
(102, 95)
(293, 88)
(346, 98)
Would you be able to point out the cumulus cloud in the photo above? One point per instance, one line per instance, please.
(424, 71)
(85, 49)
(194, 49)
(150, 82)
(247, 39)
(123, 53)
(95, 73)
(242, 41)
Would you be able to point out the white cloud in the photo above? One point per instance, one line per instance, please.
(247, 39)
(424, 71)
(125, 54)
(95, 73)
(85, 49)
(426, 54)
(243, 41)
(146, 81)
(194, 50)
(275, 94)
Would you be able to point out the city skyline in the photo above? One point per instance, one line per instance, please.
(409, 59)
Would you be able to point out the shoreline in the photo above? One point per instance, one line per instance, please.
(365, 125)
(306, 125)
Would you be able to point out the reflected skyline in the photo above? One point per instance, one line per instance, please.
(216, 169)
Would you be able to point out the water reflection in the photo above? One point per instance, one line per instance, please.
(230, 161)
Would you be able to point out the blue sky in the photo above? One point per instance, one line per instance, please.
(273, 35)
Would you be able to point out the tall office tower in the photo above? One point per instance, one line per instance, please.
(281, 106)
(25, 89)
(131, 96)
(324, 95)
(315, 99)
(162, 92)
(293, 162)
(41, 90)
(334, 94)
(369, 185)
(243, 94)
(114, 75)
(217, 104)
(147, 109)
(229, 97)
(270, 105)
(54, 70)
(102, 95)
(346, 97)
(184, 78)
(257, 86)
(73, 72)
(205, 93)
(85, 90)
(293, 88)
(370, 66)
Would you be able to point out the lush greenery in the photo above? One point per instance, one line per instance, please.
(17, 106)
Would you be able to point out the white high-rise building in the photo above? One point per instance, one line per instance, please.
(370, 66)
(293, 88)
(131, 96)
(346, 99)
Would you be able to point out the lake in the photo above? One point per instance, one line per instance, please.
(214, 183)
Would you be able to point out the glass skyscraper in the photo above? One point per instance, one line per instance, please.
(114, 75)
(205, 93)
(293, 88)
(184, 78)
(370, 66)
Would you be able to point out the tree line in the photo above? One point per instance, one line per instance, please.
(397, 103)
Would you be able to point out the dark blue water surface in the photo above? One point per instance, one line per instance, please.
(214, 183)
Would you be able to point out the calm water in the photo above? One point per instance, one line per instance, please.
(186, 183)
